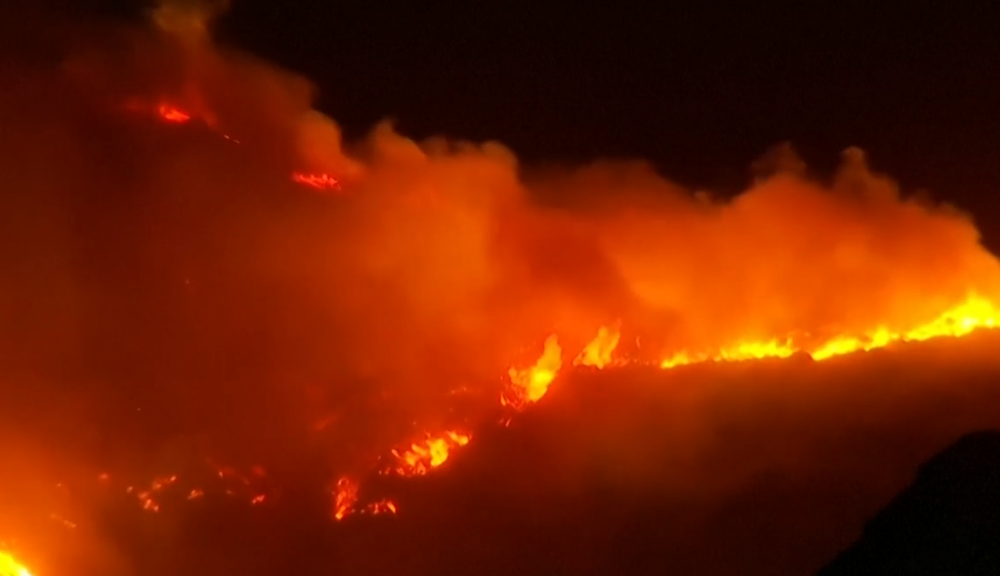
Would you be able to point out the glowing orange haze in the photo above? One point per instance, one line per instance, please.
(788, 267)
(438, 262)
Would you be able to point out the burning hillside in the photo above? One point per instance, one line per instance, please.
(228, 297)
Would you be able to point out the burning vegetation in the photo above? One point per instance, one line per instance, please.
(216, 280)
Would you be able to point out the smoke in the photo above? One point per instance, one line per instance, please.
(168, 286)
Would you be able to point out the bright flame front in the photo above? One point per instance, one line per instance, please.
(9, 566)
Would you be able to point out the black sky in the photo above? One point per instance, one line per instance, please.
(699, 88)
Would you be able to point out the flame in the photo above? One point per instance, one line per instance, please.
(972, 314)
(530, 384)
(383, 506)
(598, 352)
(422, 457)
(171, 113)
(345, 496)
(9, 566)
(317, 181)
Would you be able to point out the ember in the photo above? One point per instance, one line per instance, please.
(173, 114)
(317, 181)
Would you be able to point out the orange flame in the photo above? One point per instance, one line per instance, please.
(171, 113)
(598, 352)
(974, 313)
(530, 384)
(381, 507)
(345, 495)
(317, 181)
(433, 452)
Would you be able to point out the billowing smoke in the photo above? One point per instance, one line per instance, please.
(169, 289)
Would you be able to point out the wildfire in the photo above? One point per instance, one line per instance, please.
(9, 566)
(737, 353)
(530, 384)
(382, 507)
(673, 290)
(345, 496)
(598, 352)
(171, 113)
(972, 314)
(976, 312)
(429, 454)
(317, 181)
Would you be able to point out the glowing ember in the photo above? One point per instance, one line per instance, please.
(598, 352)
(345, 496)
(431, 453)
(162, 482)
(173, 114)
(148, 503)
(381, 507)
(11, 567)
(67, 523)
(317, 181)
(530, 384)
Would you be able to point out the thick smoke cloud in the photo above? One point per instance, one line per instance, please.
(169, 290)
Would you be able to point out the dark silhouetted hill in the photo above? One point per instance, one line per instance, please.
(947, 522)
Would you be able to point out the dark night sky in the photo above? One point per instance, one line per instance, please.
(699, 88)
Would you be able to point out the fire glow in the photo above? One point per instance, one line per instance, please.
(173, 114)
(528, 385)
(317, 181)
(9, 566)
(422, 457)
(431, 239)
